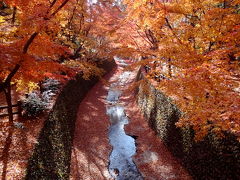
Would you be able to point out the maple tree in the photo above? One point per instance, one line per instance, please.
(15, 51)
(191, 45)
(42, 39)
(193, 53)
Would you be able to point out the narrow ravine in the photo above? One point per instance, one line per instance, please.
(121, 165)
(102, 149)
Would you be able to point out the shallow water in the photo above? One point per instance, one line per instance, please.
(121, 165)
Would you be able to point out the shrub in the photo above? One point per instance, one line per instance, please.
(33, 104)
(52, 85)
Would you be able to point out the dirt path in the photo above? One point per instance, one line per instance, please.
(91, 148)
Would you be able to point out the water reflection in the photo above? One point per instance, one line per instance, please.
(121, 164)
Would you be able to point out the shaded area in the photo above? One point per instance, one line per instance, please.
(5, 153)
(90, 146)
(17, 145)
(52, 155)
(17, 141)
(211, 158)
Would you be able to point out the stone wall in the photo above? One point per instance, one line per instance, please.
(52, 154)
(209, 159)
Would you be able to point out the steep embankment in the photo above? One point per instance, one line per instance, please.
(211, 158)
(91, 148)
(52, 154)
(153, 159)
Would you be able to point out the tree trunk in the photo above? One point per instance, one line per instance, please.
(169, 68)
(9, 103)
(14, 14)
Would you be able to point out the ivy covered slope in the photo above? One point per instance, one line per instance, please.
(52, 155)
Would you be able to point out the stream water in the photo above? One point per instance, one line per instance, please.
(121, 165)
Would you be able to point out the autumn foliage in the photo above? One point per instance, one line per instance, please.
(48, 39)
(43, 37)
(191, 48)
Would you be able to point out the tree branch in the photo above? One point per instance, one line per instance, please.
(168, 24)
(52, 3)
(10, 76)
(17, 66)
(59, 8)
(1, 86)
(14, 14)
(29, 42)
(26, 47)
